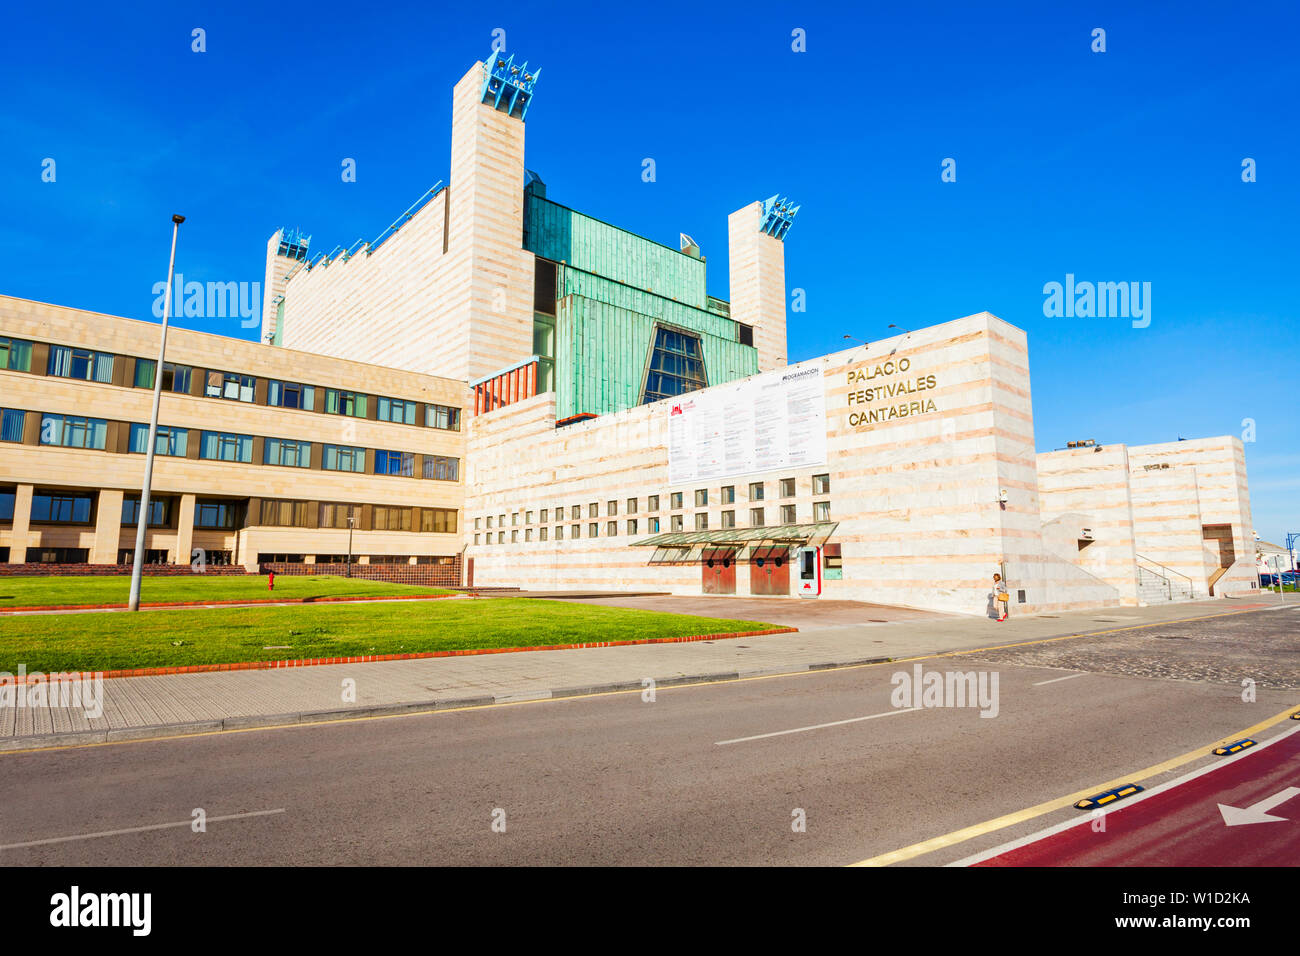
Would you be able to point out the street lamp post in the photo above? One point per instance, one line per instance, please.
(137, 564)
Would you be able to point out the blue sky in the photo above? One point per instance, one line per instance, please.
(1115, 166)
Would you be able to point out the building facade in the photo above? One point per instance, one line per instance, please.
(530, 397)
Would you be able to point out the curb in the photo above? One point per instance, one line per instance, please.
(81, 738)
(240, 602)
(375, 658)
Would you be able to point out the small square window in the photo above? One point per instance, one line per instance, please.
(653, 525)
(611, 508)
(593, 510)
(787, 514)
(787, 487)
(702, 497)
(756, 518)
(631, 506)
(677, 524)
(593, 529)
(575, 532)
(702, 521)
(631, 526)
(756, 491)
(489, 521)
(528, 518)
(821, 484)
(542, 533)
(528, 534)
(546, 515)
(675, 500)
(476, 537)
(577, 512)
(652, 503)
(559, 532)
(611, 529)
(729, 494)
(728, 519)
(478, 523)
(821, 511)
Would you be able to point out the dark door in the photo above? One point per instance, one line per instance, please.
(769, 571)
(719, 571)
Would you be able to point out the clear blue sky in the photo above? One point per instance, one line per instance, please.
(1115, 166)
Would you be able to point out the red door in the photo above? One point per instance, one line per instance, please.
(769, 571)
(718, 567)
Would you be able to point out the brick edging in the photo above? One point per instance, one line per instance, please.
(418, 655)
(247, 602)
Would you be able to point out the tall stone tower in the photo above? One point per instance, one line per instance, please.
(756, 246)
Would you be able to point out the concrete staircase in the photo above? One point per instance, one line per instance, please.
(1158, 584)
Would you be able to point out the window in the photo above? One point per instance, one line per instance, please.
(339, 402)
(675, 500)
(61, 507)
(593, 510)
(514, 519)
(15, 355)
(728, 519)
(676, 365)
(385, 518)
(577, 512)
(729, 494)
(744, 334)
(501, 537)
(528, 518)
(756, 491)
(702, 497)
(283, 451)
(439, 520)
(653, 525)
(394, 463)
(652, 503)
(575, 531)
(593, 530)
(64, 555)
(442, 416)
(546, 515)
(677, 523)
(176, 378)
(702, 522)
(756, 519)
(284, 514)
(787, 514)
(489, 521)
(343, 458)
(611, 529)
(81, 364)
(631, 506)
(160, 510)
(478, 523)
(541, 533)
(7, 504)
(336, 515)
(611, 508)
(223, 515)
(224, 446)
(476, 537)
(12, 424)
(501, 521)
(397, 410)
(167, 440)
(528, 534)
(266, 558)
(559, 532)
(238, 388)
(442, 468)
(821, 511)
(71, 432)
(821, 484)
(631, 526)
(514, 537)
(787, 487)
(291, 395)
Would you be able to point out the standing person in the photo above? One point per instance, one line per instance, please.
(1001, 596)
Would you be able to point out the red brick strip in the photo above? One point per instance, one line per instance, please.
(243, 601)
(371, 658)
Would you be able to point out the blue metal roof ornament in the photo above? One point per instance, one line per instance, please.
(778, 217)
(508, 86)
(294, 244)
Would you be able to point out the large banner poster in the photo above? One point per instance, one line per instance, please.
(774, 421)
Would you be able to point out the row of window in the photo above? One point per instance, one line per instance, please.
(93, 366)
(72, 431)
(757, 519)
(77, 507)
(821, 485)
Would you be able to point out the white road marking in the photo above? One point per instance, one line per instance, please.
(156, 826)
(1123, 805)
(1055, 679)
(800, 730)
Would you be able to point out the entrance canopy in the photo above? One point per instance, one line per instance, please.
(688, 547)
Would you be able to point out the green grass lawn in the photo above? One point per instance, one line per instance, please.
(175, 638)
(46, 591)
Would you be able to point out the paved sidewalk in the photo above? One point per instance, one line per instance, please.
(139, 707)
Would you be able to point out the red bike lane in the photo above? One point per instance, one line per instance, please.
(1258, 824)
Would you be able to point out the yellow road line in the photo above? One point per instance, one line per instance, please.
(630, 690)
(1020, 816)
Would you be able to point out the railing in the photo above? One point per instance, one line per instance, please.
(1169, 584)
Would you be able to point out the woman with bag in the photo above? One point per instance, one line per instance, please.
(1001, 596)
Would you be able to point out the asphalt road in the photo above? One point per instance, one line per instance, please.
(710, 774)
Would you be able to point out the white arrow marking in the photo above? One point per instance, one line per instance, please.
(1257, 812)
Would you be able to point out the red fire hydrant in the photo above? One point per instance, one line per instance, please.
(270, 580)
